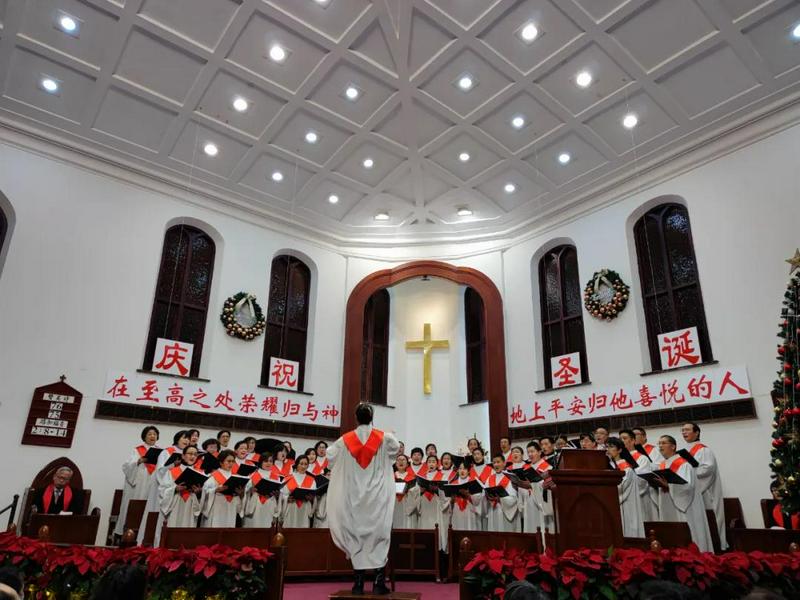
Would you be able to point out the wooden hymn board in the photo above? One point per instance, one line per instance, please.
(53, 415)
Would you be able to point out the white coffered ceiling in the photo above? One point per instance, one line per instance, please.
(147, 84)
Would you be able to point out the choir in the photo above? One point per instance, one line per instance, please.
(261, 482)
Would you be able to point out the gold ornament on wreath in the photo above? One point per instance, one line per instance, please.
(243, 317)
(606, 295)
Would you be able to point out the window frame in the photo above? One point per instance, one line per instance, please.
(372, 339)
(471, 344)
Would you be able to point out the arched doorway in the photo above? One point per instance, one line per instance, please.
(493, 321)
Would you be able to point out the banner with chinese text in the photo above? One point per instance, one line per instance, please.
(694, 387)
(163, 391)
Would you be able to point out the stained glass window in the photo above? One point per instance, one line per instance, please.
(475, 329)
(375, 350)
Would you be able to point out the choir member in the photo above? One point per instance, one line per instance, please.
(432, 504)
(312, 458)
(648, 498)
(536, 505)
(547, 444)
(241, 451)
(529, 501)
(402, 449)
(430, 450)
(629, 499)
(681, 502)
(505, 447)
(224, 438)
(562, 441)
(708, 477)
(138, 475)
(283, 464)
(194, 437)
(251, 450)
(502, 513)
(466, 509)
(220, 504)
(406, 506)
(652, 452)
(321, 508)
(210, 448)
(417, 465)
(480, 471)
(321, 463)
(588, 442)
(600, 437)
(179, 505)
(262, 510)
(59, 497)
(290, 453)
(296, 512)
(446, 466)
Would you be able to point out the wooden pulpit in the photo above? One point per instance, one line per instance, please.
(585, 502)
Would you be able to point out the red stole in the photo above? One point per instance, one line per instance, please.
(676, 464)
(256, 477)
(291, 484)
(221, 480)
(142, 450)
(177, 472)
(47, 498)
(780, 520)
(623, 465)
(462, 502)
(319, 467)
(436, 477)
(421, 471)
(495, 480)
(409, 476)
(636, 455)
(286, 470)
(483, 475)
(363, 453)
(696, 448)
(542, 466)
(649, 448)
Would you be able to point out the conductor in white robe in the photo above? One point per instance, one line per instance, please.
(708, 477)
(361, 497)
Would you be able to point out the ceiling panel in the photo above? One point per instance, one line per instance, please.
(319, 200)
(329, 138)
(133, 120)
(653, 122)
(383, 163)
(478, 157)
(201, 21)
(332, 18)
(427, 125)
(464, 13)
(584, 158)
(511, 189)
(772, 38)
(189, 150)
(260, 177)
(536, 121)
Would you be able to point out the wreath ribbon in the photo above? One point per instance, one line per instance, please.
(601, 277)
(249, 299)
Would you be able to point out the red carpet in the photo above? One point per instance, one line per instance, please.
(319, 591)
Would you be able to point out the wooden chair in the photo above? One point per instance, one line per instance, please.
(116, 504)
(43, 479)
(767, 506)
(734, 515)
(668, 534)
(66, 529)
(481, 541)
(767, 540)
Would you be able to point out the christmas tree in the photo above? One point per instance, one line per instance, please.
(786, 397)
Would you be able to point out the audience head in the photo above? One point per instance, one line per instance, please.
(301, 464)
(430, 450)
(562, 441)
(190, 454)
(447, 460)
(667, 445)
(534, 451)
(150, 435)
(524, 590)
(181, 439)
(121, 582)
(416, 455)
(657, 589)
(601, 435)
(402, 462)
(62, 477)
(473, 443)
(194, 436)
(363, 413)
(690, 432)
(505, 444)
(224, 438)
(321, 448)
(227, 458)
(587, 441)
(640, 435)
(517, 455)
(499, 462)
(211, 445)
(547, 444)
(265, 461)
(12, 577)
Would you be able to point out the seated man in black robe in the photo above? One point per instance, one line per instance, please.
(59, 497)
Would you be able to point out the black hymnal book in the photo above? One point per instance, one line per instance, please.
(210, 462)
(429, 486)
(525, 474)
(498, 490)
(191, 478)
(245, 470)
(685, 454)
(304, 494)
(267, 487)
(322, 489)
(642, 450)
(473, 486)
(151, 456)
(669, 475)
(234, 482)
(321, 480)
(174, 459)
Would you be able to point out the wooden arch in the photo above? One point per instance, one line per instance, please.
(495, 373)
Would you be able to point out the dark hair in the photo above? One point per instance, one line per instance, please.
(239, 444)
(524, 590)
(774, 485)
(191, 431)
(264, 456)
(500, 456)
(225, 454)
(430, 456)
(586, 435)
(12, 577)
(189, 448)
(628, 431)
(548, 438)
(534, 444)
(177, 437)
(417, 449)
(430, 445)
(149, 428)
(446, 454)
(479, 449)
(695, 426)
(476, 440)
(659, 589)
(121, 582)
(616, 442)
(518, 448)
(637, 428)
(671, 439)
(505, 437)
(208, 442)
(317, 445)
(363, 413)
(562, 436)
(219, 433)
(299, 458)
(249, 438)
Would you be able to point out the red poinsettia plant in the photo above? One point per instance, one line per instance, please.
(619, 573)
(235, 573)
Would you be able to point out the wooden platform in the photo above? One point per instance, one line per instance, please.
(348, 595)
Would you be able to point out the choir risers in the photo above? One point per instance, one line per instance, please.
(348, 595)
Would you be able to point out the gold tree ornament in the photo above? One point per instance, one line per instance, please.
(794, 261)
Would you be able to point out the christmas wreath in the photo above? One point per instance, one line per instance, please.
(243, 317)
(606, 295)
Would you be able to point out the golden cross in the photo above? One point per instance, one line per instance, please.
(426, 344)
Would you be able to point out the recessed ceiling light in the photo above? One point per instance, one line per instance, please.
(463, 157)
(630, 121)
(564, 158)
(277, 53)
(583, 79)
(49, 85)
(381, 216)
(68, 24)
(464, 212)
(510, 188)
(211, 149)
(322, 2)
(333, 198)
(466, 82)
(312, 137)
(529, 32)
(368, 163)
(352, 92)
(240, 104)
(518, 122)
(796, 32)
(277, 176)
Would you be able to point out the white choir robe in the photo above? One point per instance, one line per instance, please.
(481, 473)
(319, 466)
(260, 511)
(406, 506)
(544, 497)
(152, 505)
(137, 484)
(710, 484)
(648, 497)
(219, 510)
(684, 503)
(420, 470)
(435, 511)
(294, 515)
(180, 510)
(321, 512)
(361, 499)
(466, 513)
(629, 501)
(653, 453)
(502, 515)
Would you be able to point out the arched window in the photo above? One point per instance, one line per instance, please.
(475, 331)
(375, 356)
(668, 272)
(287, 314)
(182, 290)
(562, 316)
